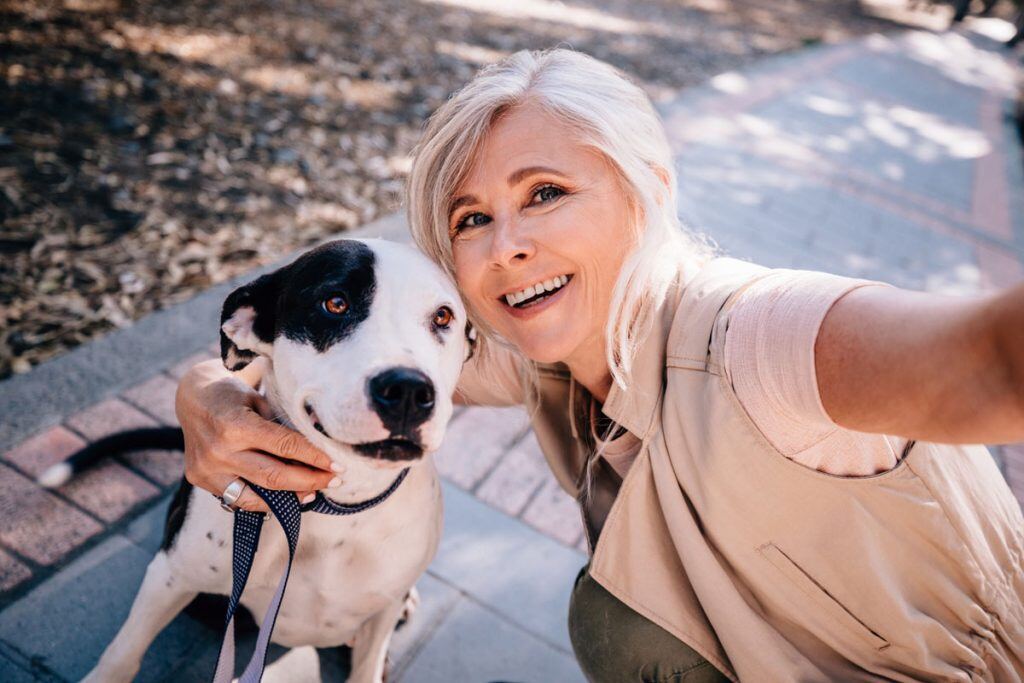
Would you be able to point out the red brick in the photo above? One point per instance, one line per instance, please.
(12, 572)
(107, 490)
(555, 513)
(115, 415)
(163, 467)
(156, 397)
(476, 440)
(44, 449)
(37, 524)
(178, 370)
(521, 472)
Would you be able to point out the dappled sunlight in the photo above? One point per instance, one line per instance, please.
(474, 54)
(731, 83)
(957, 58)
(306, 81)
(558, 13)
(955, 279)
(960, 142)
(218, 49)
(829, 106)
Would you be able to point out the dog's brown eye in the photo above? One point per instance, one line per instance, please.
(335, 305)
(443, 317)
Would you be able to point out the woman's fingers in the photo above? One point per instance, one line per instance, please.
(286, 443)
(272, 473)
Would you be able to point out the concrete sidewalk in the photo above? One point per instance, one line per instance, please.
(890, 158)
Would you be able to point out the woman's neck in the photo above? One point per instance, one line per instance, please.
(589, 367)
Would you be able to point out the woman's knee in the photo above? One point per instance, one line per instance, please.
(613, 643)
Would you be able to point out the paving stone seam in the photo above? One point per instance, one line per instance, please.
(32, 665)
(143, 409)
(64, 499)
(413, 649)
(526, 506)
(119, 459)
(42, 573)
(486, 606)
(519, 438)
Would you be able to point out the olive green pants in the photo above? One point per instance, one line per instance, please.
(614, 644)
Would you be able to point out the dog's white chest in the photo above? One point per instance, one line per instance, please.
(346, 568)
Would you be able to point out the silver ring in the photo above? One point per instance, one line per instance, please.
(231, 494)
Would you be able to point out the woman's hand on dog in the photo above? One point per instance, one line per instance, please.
(228, 434)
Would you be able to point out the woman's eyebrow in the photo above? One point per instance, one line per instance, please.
(514, 178)
(517, 177)
(460, 202)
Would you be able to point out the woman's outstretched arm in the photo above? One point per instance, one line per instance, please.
(925, 366)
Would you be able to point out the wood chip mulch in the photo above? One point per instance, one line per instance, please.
(151, 149)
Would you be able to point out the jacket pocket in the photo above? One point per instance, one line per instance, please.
(828, 606)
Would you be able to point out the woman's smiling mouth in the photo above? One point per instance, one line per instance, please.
(525, 303)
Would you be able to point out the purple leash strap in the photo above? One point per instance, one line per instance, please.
(245, 539)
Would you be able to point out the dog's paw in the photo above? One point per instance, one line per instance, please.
(412, 603)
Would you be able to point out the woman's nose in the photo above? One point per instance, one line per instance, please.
(510, 244)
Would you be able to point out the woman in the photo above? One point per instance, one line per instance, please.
(782, 510)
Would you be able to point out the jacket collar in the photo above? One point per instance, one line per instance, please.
(634, 407)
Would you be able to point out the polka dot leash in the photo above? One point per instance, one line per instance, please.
(286, 509)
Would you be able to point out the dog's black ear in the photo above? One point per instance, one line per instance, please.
(470, 339)
(247, 322)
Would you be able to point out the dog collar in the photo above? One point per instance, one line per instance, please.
(246, 537)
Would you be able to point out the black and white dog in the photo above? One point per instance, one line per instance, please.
(364, 342)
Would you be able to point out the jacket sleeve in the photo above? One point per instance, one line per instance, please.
(493, 378)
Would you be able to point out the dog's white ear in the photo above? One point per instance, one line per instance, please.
(247, 322)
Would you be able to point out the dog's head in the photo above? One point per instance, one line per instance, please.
(366, 340)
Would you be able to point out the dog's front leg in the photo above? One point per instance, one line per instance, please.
(161, 597)
(370, 649)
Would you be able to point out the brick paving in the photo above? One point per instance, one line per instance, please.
(887, 158)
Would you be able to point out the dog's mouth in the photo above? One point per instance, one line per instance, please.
(395, 449)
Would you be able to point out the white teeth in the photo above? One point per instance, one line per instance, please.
(534, 290)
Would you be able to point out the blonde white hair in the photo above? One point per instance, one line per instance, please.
(608, 113)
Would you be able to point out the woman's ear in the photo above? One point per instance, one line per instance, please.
(247, 322)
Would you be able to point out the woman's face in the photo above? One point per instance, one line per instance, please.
(539, 208)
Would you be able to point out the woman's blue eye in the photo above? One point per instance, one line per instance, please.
(548, 192)
(464, 223)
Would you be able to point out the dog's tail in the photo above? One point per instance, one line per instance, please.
(157, 438)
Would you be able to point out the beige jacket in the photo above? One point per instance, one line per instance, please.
(773, 571)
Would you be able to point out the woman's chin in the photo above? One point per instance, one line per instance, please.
(535, 348)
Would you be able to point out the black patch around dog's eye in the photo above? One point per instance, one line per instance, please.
(342, 267)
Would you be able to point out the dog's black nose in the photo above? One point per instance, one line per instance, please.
(402, 397)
